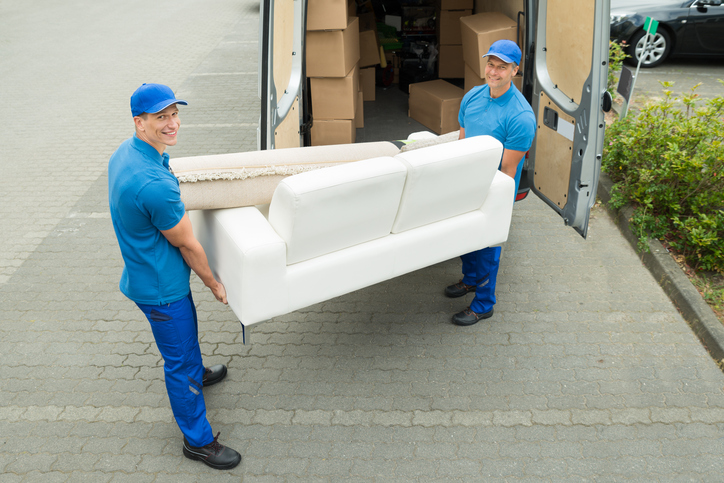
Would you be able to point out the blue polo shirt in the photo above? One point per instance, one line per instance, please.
(144, 198)
(508, 118)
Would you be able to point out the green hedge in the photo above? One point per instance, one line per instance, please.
(668, 162)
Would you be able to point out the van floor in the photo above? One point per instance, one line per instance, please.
(386, 119)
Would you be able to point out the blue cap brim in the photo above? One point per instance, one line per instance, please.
(502, 57)
(164, 104)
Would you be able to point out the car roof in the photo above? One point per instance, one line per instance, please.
(633, 4)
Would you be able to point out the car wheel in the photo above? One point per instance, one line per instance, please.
(654, 53)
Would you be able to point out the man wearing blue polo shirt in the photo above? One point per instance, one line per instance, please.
(497, 109)
(159, 250)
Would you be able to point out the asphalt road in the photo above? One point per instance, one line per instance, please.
(685, 73)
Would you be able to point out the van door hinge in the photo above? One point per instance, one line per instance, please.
(306, 127)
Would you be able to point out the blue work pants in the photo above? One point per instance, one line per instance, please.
(175, 329)
(480, 268)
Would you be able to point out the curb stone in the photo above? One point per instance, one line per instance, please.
(669, 275)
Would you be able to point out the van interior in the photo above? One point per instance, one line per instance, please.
(415, 36)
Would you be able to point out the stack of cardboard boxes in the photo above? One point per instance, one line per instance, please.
(450, 56)
(333, 54)
(435, 104)
(343, 50)
(478, 32)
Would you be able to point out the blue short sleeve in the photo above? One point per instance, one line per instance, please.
(161, 199)
(521, 131)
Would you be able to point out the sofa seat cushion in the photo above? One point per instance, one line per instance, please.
(446, 180)
(327, 210)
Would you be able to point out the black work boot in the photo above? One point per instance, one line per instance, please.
(468, 317)
(214, 454)
(459, 289)
(214, 374)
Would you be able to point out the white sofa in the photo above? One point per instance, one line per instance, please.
(250, 178)
(338, 229)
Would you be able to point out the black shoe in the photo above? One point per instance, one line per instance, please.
(459, 289)
(214, 374)
(468, 317)
(213, 454)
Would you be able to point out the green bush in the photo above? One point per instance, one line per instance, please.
(668, 162)
(616, 56)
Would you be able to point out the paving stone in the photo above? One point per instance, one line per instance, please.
(81, 476)
(39, 476)
(132, 478)
(25, 463)
(153, 463)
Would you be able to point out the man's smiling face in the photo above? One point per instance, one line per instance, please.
(499, 74)
(159, 129)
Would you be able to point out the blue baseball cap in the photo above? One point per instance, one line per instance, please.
(153, 98)
(505, 50)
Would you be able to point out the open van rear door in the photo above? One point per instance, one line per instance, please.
(282, 80)
(569, 51)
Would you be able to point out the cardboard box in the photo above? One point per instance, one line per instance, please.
(448, 26)
(369, 50)
(450, 62)
(478, 34)
(518, 81)
(367, 82)
(455, 4)
(393, 59)
(328, 14)
(472, 79)
(436, 104)
(359, 119)
(367, 21)
(333, 53)
(333, 131)
(335, 97)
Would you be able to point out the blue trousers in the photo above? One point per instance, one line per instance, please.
(480, 268)
(175, 329)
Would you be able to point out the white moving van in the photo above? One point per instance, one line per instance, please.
(565, 66)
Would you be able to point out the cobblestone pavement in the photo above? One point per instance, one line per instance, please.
(586, 371)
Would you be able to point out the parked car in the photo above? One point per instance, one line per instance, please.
(686, 28)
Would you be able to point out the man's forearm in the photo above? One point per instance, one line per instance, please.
(509, 170)
(511, 160)
(195, 257)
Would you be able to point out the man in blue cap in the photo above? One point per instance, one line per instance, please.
(159, 250)
(497, 109)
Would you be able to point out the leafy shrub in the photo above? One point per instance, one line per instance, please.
(668, 162)
(616, 56)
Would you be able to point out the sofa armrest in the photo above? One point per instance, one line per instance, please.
(498, 204)
(248, 257)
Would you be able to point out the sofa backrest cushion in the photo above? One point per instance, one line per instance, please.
(334, 208)
(250, 178)
(446, 180)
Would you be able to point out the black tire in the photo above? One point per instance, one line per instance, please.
(655, 53)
